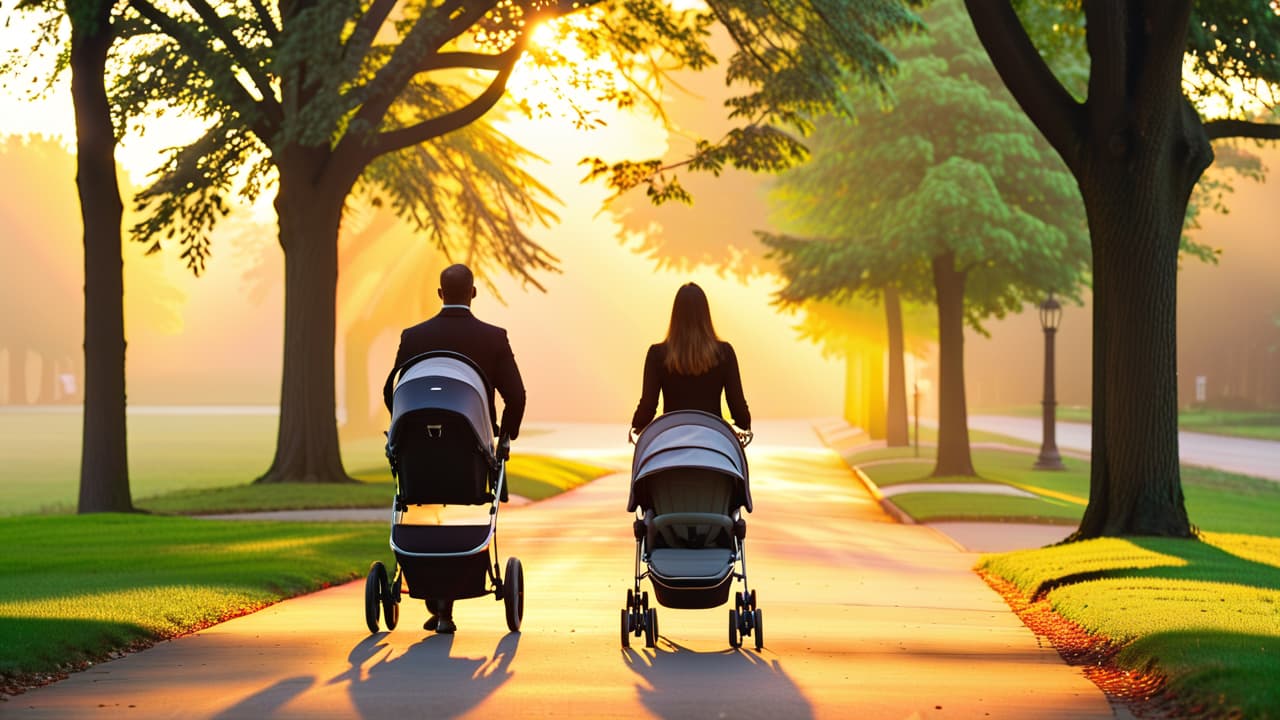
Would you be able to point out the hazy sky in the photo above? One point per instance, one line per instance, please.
(580, 345)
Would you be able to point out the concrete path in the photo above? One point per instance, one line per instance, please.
(863, 618)
(1259, 458)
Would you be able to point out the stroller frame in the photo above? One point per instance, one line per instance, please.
(698, 590)
(453, 572)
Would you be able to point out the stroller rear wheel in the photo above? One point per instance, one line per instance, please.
(626, 628)
(759, 629)
(651, 628)
(735, 638)
(513, 594)
(391, 604)
(374, 590)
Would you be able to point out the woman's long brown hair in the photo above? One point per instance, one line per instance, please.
(692, 345)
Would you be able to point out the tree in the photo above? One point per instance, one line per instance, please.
(1137, 142)
(324, 98)
(104, 461)
(973, 214)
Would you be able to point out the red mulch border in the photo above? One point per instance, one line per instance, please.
(1144, 693)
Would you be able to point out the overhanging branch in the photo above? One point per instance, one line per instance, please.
(238, 51)
(243, 100)
(1039, 93)
(393, 140)
(1218, 129)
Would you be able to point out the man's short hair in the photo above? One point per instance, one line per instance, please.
(456, 284)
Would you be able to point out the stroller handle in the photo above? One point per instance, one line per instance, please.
(744, 436)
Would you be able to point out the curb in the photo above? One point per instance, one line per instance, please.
(890, 508)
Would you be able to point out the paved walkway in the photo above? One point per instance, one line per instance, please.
(1260, 458)
(863, 617)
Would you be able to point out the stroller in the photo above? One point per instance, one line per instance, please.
(441, 450)
(688, 485)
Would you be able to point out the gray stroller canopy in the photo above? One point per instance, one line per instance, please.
(689, 439)
(445, 381)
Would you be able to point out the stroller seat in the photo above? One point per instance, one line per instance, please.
(684, 564)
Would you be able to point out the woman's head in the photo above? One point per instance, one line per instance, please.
(692, 345)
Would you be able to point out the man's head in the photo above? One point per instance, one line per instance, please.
(457, 285)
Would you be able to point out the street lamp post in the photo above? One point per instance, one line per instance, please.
(1050, 318)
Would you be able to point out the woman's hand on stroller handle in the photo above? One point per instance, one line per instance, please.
(633, 435)
(744, 436)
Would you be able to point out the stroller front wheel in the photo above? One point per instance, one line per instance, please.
(374, 588)
(513, 594)
(735, 638)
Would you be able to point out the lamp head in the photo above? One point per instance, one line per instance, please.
(1050, 313)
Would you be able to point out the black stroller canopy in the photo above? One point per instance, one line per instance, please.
(443, 381)
(689, 439)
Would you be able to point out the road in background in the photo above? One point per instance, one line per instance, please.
(1246, 456)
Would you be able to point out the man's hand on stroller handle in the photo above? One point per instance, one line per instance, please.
(504, 448)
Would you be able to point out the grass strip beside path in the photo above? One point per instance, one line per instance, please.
(79, 588)
(1205, 615)
(533, 476)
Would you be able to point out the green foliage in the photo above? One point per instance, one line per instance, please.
(886, 194)
(794, 60)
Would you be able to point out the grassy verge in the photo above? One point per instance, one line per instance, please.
(84, 594)
(533, 476)
(1257, 424)
(1216, 501)
(1204, 615)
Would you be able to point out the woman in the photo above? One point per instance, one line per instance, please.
(691, 367)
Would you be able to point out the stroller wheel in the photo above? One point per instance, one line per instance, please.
(739, 603)
(644, 600)
(390, 606)
(626, 628)
(513, 594)
(650, 628)
(374, 586)
(631, 599)
(751, 600)
(735, 640)
(759, 630)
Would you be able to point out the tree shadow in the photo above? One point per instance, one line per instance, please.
(681, 683)
(425, 680)
(1192, 560)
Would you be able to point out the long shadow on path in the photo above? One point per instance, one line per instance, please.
(425, 680)
(681, 683)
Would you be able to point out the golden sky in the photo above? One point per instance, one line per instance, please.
(580, 345)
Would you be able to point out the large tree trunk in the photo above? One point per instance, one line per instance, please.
(310, 211)
(896, 413)
(104, 463)
(873, 390)
(953, 414)
(1136, 201)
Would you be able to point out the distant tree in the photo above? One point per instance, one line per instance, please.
(973, 213)
(1137, 138)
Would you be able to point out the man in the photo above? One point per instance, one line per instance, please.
(454, 328)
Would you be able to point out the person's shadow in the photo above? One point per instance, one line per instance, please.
(681, 683)
(424, 681)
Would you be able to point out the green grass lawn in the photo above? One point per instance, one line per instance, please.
(74, 588)
(533, 476)
(1216, 501)
(1206, 615)
(174, 458)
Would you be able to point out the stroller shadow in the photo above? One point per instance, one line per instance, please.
(425, 680)
(676, 682)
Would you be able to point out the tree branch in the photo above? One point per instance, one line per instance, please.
(243, 100)
(265, 16)
(239, 53)
(1165, 26)
(1029, 79)
(459, 60)
(361, 39)
(1218, 129)
(393, 140)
